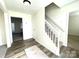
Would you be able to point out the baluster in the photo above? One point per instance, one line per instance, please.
(45, 27)
(51, 35)
(49, 32)
(56, 41)
(54, 38)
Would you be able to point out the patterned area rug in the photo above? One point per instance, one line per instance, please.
(35, 52)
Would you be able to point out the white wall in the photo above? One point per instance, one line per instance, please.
(2, 29)
(38, 21)
(73, 25)
(60, 18)
(8, 29)
(27, 25)
(57, 15)
(74, 6)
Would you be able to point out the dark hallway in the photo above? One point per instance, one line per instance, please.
(17, 31)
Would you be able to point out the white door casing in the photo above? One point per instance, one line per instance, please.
(26, 22)
(8, 29)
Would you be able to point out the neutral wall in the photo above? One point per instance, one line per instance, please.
(2, 29)
(74, 25)
(27, 24)
(57, 15)
(38, 21)
(74, 6)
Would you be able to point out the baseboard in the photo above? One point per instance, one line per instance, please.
(3, 45)
(30, 39)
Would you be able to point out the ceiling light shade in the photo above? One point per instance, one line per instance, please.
(26, 2)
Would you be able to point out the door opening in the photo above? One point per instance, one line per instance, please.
(17, 28)
(73, 31)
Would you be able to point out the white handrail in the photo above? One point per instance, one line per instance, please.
(49, 25)
(53, 23)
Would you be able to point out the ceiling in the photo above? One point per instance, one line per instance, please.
(17, 5)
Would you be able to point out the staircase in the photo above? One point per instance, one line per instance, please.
(54, 32)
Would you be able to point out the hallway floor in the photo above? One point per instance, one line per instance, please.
(18, 48)
(73, 42)
(3, 50)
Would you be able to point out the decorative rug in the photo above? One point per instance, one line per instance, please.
(35, 52)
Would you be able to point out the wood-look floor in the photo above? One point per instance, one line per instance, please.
(73, 42)
(20, 45)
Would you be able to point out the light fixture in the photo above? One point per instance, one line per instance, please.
(24, 1)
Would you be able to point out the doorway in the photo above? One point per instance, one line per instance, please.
(17, 29)
(73, 30)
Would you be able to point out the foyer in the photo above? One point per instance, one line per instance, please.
(44, 26)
